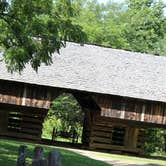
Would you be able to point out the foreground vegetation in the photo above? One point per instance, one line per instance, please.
(8, 156)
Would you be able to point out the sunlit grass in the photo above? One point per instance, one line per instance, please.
(9, 149)
(130, 159)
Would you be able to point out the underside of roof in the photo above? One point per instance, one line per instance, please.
(100, 70)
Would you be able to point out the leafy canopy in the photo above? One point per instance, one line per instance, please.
(31, 31)
(67, 109)
(137, 25)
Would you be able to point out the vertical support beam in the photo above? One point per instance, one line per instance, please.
(24, 96)
(143, 112)
(3, 121)
(131, 137)
(123, 106)
(86, 127)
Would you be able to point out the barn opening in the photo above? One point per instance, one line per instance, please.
(64, 121)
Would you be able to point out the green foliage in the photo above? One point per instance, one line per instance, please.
(49, 124)
(67, 109)
(64, 115)
(31, 31)
(137, 25)
(155, 141)
(145, 25)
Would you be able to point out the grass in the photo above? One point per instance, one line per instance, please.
(132, 159)
(8, 155)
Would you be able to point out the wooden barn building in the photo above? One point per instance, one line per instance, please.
(120, 92)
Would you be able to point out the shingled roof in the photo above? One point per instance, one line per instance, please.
(101, 70)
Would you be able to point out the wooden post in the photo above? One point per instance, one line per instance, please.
(54, 159)
(41, 162)
(53, 134)
(21, 156)
(3, 121)
(38, 157)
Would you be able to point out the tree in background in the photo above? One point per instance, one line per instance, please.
(155, 140)
(31, 31)
(137, 25)
(64, 115)
(145, 25)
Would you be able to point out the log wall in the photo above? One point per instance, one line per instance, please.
(22, 122)
(26, 94)
(109, 135)
(23, 108)
(132, 109)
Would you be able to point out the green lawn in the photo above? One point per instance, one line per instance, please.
(132, 159)
(8, 155)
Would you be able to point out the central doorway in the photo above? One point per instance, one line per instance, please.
(64, 121)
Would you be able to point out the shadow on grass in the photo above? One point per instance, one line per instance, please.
(9, 149)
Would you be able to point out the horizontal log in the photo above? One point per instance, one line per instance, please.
(29, 102)
(24, 130)
(107, 121)
(100, 139)
(22, 136)
(22, 121)
(31, 126)
(102, 134)
(101, 128)
(30, 131)
(26, 119)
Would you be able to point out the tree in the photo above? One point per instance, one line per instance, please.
(65, 114)
(137, 25)
(145, 25)
(31, 31)
(155, 140)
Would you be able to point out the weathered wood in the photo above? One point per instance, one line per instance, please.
(26, 94)
(105, 121)
(21, 160)
(101, 140)
(86, 127)
(22, 136)
(101, 128)
(27, 122)
(54, 159)
(41, 162)
(111, 134)
(38, 157)
(131, 137)
(38, 153)
(131, 109)
(3, 121)
(101, 133)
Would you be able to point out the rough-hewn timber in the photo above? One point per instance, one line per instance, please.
(108, 135)
(132, 109)
(26, 94)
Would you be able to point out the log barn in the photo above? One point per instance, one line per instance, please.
(121, 93)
